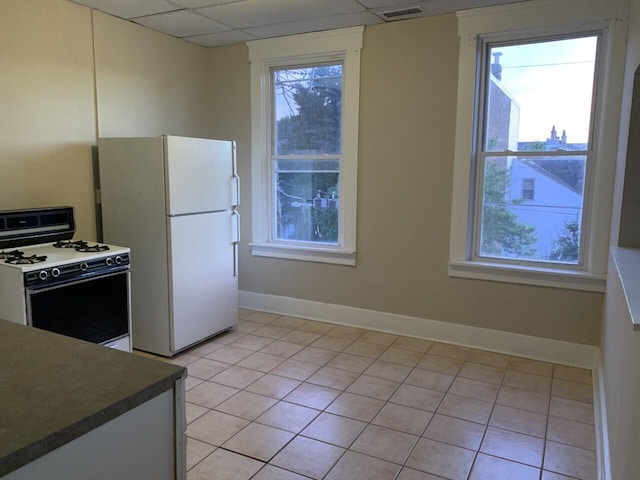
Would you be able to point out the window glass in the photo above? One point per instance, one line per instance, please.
(537, 118)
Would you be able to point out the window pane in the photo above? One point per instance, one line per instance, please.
(315, 165)
(532, 208)
(307, 110)
(540, 95)
(307, 206)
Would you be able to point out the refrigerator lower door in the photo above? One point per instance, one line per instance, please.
(203, 288)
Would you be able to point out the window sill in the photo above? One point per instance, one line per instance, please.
(309, 254)
(545, 277)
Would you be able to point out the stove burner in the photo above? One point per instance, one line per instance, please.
(14, 253)
(70, 244)
(21, 260)
(91, 248)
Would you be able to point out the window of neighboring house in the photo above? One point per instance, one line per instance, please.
(537, 101)
(305, 91)
(528, 186)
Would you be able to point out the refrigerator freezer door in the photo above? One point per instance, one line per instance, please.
(199, 175)
(204, 288)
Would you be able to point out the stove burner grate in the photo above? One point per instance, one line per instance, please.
(70, 244)
(22, 260)
(92, 248)
(14, 253)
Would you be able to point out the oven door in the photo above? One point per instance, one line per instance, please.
(94, 308)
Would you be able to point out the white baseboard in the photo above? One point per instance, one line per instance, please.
(600, 418)
(545, 349)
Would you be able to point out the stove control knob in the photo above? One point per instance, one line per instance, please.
(119, 260)
(84, 266)
(43, 275)
(109, 261)
(55, 272)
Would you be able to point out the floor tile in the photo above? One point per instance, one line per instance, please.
(252, 342)
(527, 381)
(388, 371)
(365, 349)
(571, 410)
(204, 368)
(513, 446)
(334, 429)
(244, 312)
(225, 465)
(313, 396)
(373, 387)
(572, 461)
(317, 356)
(228, 337)
(342, 331)
(523, 399)
(272, 331)
(448, 350)
(194, 411)
(410, 474)
(237, 377)
(355, 466)
(355, 406)
(282, 349)
(400, 417)
(215, 428)
(289, 322)
(273, 386)
(403, 357)
(351, 363)
(205, 348)
(315, 327)
(385, 443)
(258, 441)
(489, 358)
(196, 451)
(455, 431)
(209, 394)
(465, 408)
(295, 369)
(263, 362)
(335, 344)
(191, 382)
(414, 344)
(229, 354)
(332, 378)
(269, 472)
(521, 421)
(484, 373)
(246, 405)
(300, 338)
(554, 476)
(571, 433)
(378, 338)
(572, 390)
(438, 363)
(487, 467)
(535, 367)
(441, 459)
(247, 326)
(288, 416)
(262, 317)
(308, 457)
(417, 397)
(572, 374)
(428, 379)
(183, 359)
(467, 387)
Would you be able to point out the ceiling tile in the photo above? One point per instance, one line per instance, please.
(315, 25)
(389, 3)
(253, 13)
(201, 3)
(128, 8)
(222, 38)
(181, 23)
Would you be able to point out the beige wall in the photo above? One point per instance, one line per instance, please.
(52, 113)
(407, 123)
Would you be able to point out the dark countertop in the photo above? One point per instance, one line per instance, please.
(54, 389)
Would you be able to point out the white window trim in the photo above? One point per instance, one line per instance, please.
(342, 44)
(533, 19)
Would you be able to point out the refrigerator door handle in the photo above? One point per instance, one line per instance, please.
(235, 233)
(235, 191)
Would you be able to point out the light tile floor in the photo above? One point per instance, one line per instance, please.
(285, 398)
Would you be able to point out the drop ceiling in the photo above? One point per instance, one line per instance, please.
(220, 22)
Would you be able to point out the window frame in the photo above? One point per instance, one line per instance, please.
(525, 22)
(342, 45)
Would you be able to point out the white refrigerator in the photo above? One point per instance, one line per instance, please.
(173, 201)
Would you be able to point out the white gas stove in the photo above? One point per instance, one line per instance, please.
(74, 288)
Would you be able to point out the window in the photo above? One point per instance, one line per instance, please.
(537, 119)
(304, 109)
(528, 188)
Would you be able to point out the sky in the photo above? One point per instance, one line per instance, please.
(553, 83)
